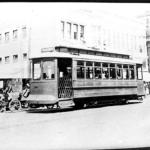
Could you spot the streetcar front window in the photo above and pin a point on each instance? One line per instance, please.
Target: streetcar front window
(48, 70)
(37, 70)
(43, 69)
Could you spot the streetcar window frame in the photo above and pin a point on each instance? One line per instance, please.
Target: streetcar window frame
(131, 72)
(41, 69)
(89, 70)
(139, 72)
(80, 70)
(49, 72)
(119, 71)
(112, 71)
(126, 72)
(106, 71)
(97, 70)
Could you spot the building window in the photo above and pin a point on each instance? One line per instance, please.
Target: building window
(15, 58)
(81, 32)
(69, 30)
(7, 59)
(6, 36)
(62, 28)
(15, 34)
(75, 31)
(24, 32)
(24, 56)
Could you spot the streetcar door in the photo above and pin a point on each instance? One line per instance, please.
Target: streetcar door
(65, 78)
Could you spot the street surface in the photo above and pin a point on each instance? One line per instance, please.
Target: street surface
(118, 126)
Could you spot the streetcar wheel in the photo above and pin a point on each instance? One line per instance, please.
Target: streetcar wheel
(124, 101)
(2, 106)
(140, 99)
(79, 105)
(50, 106)
(14, 105)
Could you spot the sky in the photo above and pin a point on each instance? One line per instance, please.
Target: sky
(130, 10)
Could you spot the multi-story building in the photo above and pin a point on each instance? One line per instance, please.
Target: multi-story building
(146, 21)
(46, 30)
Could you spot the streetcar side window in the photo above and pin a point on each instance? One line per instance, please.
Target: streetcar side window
(119, 72)
(80, 69)
(105, 71)
(89, 70)
(125, 72)
(48, 70)
(139, 72)
(97, 70)
(131, 71)
(37, 70)
(112, 71)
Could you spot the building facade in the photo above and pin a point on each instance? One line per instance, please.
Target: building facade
(45, 30)
(146, 21)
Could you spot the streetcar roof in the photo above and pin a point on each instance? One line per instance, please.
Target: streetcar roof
(86, 57)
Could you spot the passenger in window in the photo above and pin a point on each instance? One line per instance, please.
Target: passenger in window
(112, 73)
(119, 74)
(132, 74)
(98, 73)
(45, 76)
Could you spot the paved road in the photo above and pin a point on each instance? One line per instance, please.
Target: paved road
(103, 127)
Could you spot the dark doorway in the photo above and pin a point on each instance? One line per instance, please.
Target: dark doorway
(65, 78)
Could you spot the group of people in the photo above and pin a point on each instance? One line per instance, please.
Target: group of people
(7, 90)
(147, 88)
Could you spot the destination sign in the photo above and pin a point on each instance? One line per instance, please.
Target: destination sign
(47, 49)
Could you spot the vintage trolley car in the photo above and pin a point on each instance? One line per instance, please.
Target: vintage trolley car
(84, 76)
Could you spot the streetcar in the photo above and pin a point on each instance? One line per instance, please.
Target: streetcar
(83, 77)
